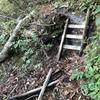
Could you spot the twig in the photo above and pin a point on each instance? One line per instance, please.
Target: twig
(45, 84)
(32, 92)
(38, 24)
(45, 54)
(12, 90)
(3, 16)
(31, 97)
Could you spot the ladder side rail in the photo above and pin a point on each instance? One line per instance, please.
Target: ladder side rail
(85, 30)
(62, 39)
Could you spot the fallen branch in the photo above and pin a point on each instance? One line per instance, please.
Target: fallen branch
(6, 17)
(7, 46)
(32, 92)
(45, 84)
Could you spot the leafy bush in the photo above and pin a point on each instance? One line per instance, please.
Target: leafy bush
(88, 4)
(16, 8)
(8, 25)
(92, 72)
(24, 44)
(93, 5)
(3, 38)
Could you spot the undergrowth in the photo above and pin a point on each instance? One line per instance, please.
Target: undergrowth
(29, 50)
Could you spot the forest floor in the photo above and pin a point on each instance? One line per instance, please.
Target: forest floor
(66, 89)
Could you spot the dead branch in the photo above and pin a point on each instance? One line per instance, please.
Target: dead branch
(45, 84)
(7, 46)
(32, 92)
(62, 40)
(6, 17)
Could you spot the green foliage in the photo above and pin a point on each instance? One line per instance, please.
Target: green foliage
(78, 5)
(88, 4)
(92, 73)
(77, 75)
(92, 5)
(97, 10)
(24, 45)
(6, 7)
(3, 38)
(48, 46)
(22, 6)
(8, 25)
(16, 8)
(30, 51)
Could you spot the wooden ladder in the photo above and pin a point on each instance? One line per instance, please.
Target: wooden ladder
(72, 36)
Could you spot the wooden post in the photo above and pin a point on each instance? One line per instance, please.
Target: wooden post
(85, 31)
(62, 39)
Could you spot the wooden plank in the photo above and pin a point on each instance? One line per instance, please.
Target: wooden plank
(72, 36)
(45, 84)
(62, 39)
(76, 26)
(72, 47)
(85, 31)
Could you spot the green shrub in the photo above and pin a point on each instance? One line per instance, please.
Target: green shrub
(88, 4)
(92, 72)
(92, 62)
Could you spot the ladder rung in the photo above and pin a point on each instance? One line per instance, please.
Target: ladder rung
(73, 47)
(74, 36)
(76, 26)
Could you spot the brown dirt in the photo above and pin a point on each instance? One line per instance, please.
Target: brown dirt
(17, 83)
